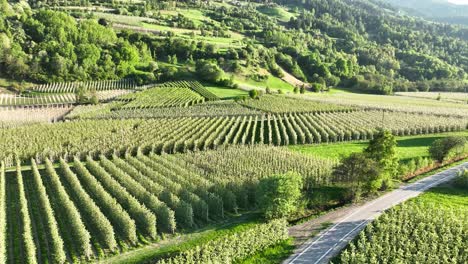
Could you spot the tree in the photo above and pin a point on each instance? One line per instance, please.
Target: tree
(254, 94)
(359, 172)
(462, 179)
(303, 89)
(316, 87)
(278, 195)
(442, 148)
(382, 149)
(208, 71)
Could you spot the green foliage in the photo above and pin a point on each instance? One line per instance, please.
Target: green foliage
(3, 218)
(382, 149)
(66, 208)
(462, 179)
(430, 220)
(27, 232)
(278, 195)
(174, 94)
(57, 248)
(254, 94)
(208, 71)
(108, 204)
(442, 148)
(359, 172)
(56, 55)
(99, 224)
(283, 104)
(145, 220)
(234, 247)
(273, 255)
(167, 135)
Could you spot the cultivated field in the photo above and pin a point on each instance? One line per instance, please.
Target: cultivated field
(98, 207)
(173, 158)
(393, 103)
(171, 135)
(428, 229)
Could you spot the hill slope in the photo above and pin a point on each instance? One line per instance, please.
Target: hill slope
(362, 45)
(438, 10)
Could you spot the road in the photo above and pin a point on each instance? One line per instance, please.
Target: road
(328, 243)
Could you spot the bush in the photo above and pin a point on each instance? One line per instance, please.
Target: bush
(254, 94)
(441, 149)
(316, 87)
(208, 71)
(360, 173)
(462, 179)
(278, 195)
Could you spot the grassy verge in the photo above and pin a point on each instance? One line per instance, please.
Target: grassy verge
(444, 167)
(185, 242)
(408, 147)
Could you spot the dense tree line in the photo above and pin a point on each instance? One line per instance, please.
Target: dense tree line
(51, 46)
(364, 45)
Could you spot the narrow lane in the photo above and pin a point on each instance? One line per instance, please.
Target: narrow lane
(332, 240)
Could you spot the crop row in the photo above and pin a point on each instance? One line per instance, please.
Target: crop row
(71, 87)
(20, 116)
(390, 103)
(8, 100)
(234, 247)
(80, 212)
(195, 86)
(162, 97)
(214, 108)
(171, 135)
(415, 232)
(282, 104)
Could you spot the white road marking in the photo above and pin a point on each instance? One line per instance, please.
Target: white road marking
(426, 184)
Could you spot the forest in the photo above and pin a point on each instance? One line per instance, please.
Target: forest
(361, 45)
(231, 131)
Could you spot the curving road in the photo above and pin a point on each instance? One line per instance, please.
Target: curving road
(328, 243)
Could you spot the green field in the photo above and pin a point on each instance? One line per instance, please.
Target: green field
(274, 83)
(408, 147)
(226, 93)
(279, 12)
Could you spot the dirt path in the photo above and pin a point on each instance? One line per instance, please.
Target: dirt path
(292, 80)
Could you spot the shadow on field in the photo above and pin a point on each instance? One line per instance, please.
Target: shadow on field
(418, 142)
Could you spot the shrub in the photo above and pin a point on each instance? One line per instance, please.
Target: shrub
(254, 94)
(359, 172)
(462, 179)
(442, 148)
(278, 195)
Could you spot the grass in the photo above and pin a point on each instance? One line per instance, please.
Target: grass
(185, 242)
(226, 93)
(273, 254)
(408, 147)
(274, 83)
(278, 12)
(447, 195)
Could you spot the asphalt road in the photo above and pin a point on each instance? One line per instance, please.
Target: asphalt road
(328, 243)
